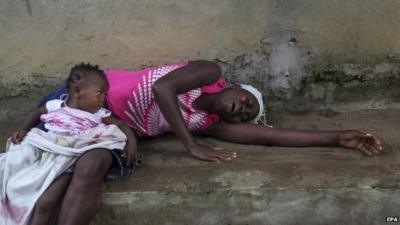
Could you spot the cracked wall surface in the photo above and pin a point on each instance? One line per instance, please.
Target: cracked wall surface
(304, 55)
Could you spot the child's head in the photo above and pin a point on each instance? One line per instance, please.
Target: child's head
(87, 86)
(240, 103)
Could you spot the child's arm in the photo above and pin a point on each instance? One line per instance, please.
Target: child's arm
(166, 90)
(130, 149)
(32, 120)
(247, 133)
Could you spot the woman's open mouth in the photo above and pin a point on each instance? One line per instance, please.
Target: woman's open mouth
(233, 107)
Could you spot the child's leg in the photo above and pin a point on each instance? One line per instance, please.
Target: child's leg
(48, 200)
(82, 199)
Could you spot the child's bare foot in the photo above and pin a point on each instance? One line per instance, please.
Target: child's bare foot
(360, 140)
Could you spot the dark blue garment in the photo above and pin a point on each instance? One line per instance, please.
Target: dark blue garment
(61, 92)
(119, 167)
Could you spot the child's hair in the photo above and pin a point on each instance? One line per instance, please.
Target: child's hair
(81, 71)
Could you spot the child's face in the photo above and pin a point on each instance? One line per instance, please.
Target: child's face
(237, 105)
(93, 94)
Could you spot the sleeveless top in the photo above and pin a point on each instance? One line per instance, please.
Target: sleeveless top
(130, 97)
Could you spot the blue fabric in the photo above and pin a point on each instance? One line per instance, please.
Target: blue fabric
(119, 167)
(59, 93)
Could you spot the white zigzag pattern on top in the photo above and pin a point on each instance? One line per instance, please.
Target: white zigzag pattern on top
(145, 114)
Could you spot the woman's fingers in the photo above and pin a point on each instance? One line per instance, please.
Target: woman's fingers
(130, 157)
(376, 143)
(134, 158)
(210, 158)
(212, 154)
(225, 156)
(219, 155)
(372, 146)
(137, 160)
(373, 143)
(223, 152)
(368, 143)
(368, 150)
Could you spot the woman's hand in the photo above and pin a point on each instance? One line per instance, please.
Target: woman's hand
(130, 152)
(130, 149)
(360, 140)
(18, 136)
(212, 154)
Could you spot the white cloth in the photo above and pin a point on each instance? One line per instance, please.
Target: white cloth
(257, 94)
(27, 169)
(63, 120)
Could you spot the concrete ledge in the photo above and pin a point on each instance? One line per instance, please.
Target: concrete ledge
(255, 206)
(265, 185)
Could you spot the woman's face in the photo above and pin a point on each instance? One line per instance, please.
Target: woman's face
(236, 105)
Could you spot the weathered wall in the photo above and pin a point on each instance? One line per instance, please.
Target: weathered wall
(340, 49)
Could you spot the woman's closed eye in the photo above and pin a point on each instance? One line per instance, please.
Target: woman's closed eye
(250, 104)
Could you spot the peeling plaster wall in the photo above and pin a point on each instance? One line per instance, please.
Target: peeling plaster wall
(50, 36)
(304, 55)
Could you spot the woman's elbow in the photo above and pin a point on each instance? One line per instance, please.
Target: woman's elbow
(208, 67)
(156, 87)
(159, 88)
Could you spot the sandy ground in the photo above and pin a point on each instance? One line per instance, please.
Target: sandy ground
(169, 167)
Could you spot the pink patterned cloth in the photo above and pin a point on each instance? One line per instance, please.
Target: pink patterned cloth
(68, 121)
(130, 97)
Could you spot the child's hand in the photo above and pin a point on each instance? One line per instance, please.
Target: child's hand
(213, 154)
(360, 140)
(18, 135)
(130, 152)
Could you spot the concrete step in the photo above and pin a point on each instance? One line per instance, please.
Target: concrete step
(264, 185)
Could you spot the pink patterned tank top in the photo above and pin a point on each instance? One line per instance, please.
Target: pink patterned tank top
(130, 97)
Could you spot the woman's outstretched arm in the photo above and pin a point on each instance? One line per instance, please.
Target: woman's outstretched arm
(166, 91)
(247, 133)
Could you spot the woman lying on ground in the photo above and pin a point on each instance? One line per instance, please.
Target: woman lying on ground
(189, 98)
